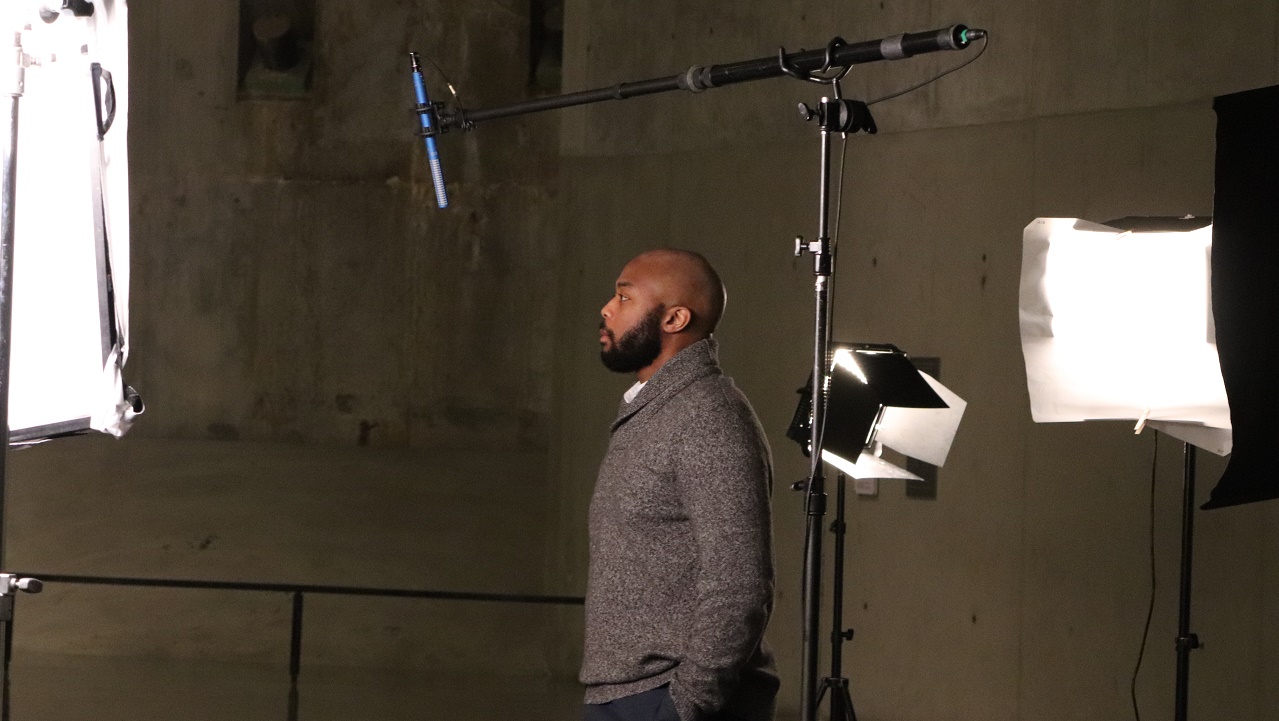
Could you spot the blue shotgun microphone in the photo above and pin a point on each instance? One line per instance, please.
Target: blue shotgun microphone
(426, 112)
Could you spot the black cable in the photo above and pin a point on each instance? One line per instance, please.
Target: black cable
(839, 195)
(457, 99)
(1150, 610)
(985, 42)
(834, 244)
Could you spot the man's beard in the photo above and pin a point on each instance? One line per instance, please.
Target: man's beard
(638, 347)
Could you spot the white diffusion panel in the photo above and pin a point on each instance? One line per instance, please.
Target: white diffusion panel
(66, 357)
(1118, 325)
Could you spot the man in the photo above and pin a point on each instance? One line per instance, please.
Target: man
(681, 570)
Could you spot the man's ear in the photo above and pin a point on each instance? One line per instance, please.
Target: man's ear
(677, 319)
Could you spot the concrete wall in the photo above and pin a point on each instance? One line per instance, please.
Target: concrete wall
(263, 512)
(294, 279)
(345, 385)
(1021, 591)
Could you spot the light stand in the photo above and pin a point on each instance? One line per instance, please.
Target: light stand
(13, 78)
(841, 701)
(833, 116)
(1158, 366)
(814, 492)
(110, 335)
(1186, 640)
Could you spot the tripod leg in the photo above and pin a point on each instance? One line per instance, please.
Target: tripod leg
(849, 713)
(841, 703)
(821, 692)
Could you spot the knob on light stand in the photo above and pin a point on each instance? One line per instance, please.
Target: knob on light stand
(11, 583)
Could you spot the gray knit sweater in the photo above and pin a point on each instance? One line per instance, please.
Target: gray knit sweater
(681, 573)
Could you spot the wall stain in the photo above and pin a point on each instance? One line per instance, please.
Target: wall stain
(224, 432)
(345, 402)
(204, 544)
(366, 429)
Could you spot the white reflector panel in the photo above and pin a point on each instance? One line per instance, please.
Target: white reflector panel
(71, 259)
(1118, 325)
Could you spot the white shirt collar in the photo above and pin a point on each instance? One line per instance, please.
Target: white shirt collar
(634, 390)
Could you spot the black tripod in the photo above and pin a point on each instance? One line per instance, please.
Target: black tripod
(841, 701)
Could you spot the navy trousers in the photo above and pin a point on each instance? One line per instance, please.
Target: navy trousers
(654, 705)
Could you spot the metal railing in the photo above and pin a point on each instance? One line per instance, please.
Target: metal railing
(298, 591)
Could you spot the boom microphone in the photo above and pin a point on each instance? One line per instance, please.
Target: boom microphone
(699, 78)
(426, 112)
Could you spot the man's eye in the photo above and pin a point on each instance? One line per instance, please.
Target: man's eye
(622, 297)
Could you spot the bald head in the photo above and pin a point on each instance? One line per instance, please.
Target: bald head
(665, 301)
(683, 279)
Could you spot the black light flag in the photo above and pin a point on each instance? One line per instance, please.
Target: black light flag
(1245, 290)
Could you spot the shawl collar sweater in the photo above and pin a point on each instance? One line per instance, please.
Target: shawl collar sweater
(680, 586)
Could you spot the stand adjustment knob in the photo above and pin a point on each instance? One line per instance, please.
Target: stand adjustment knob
(801, 246)
(9, 583)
